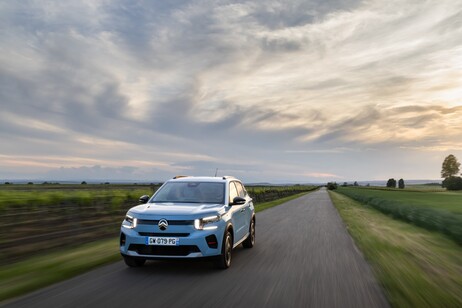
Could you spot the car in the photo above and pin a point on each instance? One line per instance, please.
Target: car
(189, 217)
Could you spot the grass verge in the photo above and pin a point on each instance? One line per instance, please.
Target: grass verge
(416, 267)
(40, 271)
(434, 211)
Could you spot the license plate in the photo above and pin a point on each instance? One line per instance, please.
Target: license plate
(163, 241)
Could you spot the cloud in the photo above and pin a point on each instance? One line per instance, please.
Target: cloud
(394, 126)
(245, 85)
(323, 175)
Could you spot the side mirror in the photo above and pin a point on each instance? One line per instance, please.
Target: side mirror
(238, 201)
(144, 199)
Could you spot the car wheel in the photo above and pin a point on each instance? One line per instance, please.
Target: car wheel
(250, 240)
(224, 260)
(134, 262)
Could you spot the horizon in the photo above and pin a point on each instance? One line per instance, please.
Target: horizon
(293, 91)
(146, 182)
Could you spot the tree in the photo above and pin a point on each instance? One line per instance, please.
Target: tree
(450, 167)
(355, 184)
(391, 183)
(453, 183)
(401, 183)
(83, 183)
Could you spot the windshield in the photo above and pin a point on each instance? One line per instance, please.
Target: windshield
(191, 192)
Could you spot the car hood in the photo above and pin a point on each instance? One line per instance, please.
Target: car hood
(180, 210)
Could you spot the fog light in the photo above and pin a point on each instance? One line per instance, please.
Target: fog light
(212, 241)
(122, 239)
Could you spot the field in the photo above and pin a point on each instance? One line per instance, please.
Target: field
(450, 201)
(432, 210)
(416, 267)
(36, 218)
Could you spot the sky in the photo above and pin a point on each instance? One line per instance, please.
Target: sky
(267, 91)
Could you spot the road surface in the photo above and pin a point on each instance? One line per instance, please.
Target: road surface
(303, 257)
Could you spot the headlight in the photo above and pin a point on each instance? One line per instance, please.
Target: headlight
(202, 223)
(130, 222)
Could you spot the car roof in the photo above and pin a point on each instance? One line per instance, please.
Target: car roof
(184, 178)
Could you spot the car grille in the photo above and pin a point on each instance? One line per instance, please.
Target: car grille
(163, 234)
(170, 222)
(183, 250)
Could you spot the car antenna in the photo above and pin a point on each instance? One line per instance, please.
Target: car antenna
(216, 172)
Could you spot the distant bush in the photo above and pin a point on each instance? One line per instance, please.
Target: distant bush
(453, 183)
(270, 193)
(332, 185)
(431, 184)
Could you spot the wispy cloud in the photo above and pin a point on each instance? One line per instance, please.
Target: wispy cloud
(323, 175)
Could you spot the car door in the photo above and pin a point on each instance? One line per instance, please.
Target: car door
(238, 214)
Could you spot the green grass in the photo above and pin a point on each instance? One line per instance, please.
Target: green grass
(425, 187)
(448, 200)
(28, 275)
(22, 277)
(438, 211)
(416, 267)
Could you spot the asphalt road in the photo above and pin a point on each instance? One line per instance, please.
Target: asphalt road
(303, 257)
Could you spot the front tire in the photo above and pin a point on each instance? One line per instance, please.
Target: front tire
(250, 240)
(224, 260)
(134, 262)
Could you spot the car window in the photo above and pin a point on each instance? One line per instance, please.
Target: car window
(190, 192)
(240, 190)
(232, 192)
(245, 190)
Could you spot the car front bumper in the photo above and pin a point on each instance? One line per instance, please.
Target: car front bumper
(192, 243)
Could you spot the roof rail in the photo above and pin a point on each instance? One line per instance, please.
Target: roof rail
(228, 177)
(180, 176)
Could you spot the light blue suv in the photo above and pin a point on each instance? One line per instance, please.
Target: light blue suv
(189, 217)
